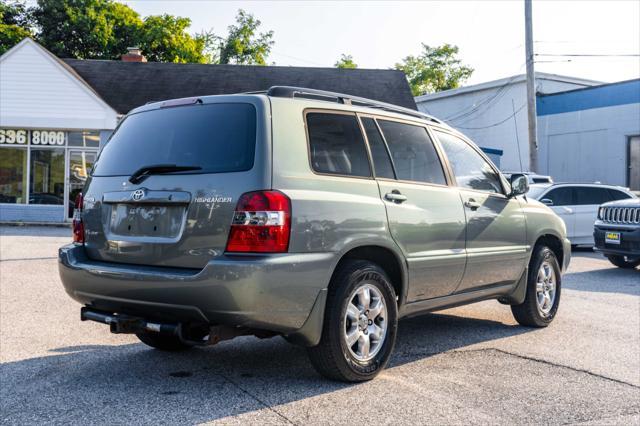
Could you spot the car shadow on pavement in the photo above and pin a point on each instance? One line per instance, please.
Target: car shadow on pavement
(130, 382)
(606, 280)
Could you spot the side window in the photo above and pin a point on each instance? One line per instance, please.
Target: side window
(586, 195)
(560, 196)
(615, 195)
(336, 145)
(471, 170)
(414, 156)
(379, 154)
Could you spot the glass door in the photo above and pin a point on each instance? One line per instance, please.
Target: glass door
(80, 164)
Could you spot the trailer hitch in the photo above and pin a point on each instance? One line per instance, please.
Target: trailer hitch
(211, 334)
(125, 324)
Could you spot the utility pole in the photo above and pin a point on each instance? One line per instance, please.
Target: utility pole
(531, 89)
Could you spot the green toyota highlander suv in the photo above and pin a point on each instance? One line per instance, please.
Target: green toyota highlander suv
(312, 215)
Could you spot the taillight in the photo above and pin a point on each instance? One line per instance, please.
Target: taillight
(261, 223)
(77, 225)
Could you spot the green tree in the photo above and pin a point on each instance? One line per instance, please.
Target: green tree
(243, 45)
(345, 61)
(164, 38)
(16, 22)
(87, 29)
(103, 29)
(435, 69)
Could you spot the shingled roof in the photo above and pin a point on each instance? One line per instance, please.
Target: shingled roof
(126, 85)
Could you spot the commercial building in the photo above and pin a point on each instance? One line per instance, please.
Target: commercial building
(494, 114)
(56, 113)
(592, 134)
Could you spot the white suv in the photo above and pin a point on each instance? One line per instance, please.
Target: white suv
(577, 204)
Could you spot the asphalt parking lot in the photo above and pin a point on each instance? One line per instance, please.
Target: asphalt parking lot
(470, 365)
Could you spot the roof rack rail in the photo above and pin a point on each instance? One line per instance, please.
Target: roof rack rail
(341, 98)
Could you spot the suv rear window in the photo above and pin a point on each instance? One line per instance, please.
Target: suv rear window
(218, 138)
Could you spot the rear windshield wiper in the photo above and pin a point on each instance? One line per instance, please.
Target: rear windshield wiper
(158, 169)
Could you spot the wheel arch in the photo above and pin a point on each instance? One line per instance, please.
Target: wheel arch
(554, 243)
(388, 259)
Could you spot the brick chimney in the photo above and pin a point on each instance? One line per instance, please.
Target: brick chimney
(134, 54)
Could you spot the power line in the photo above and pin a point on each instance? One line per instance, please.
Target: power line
(515, 124)
(591, 55)
(494, 124)
(485, 104)
(298, 59)
(476, 107)
(487, 101)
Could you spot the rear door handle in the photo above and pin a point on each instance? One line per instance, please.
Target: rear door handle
(472, 204)
(395, 196)
(568, 210)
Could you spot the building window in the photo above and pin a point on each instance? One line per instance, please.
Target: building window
(13, 176)
(87, 139)
(46, 183)
(42, 166)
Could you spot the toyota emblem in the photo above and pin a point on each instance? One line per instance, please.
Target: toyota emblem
(138, 194)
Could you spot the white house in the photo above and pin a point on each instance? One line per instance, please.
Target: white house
(51, 123)
(494, 115)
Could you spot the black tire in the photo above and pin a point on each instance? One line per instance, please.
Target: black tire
(528, 313)
(162, 342)
(623, 262)
(332, 357)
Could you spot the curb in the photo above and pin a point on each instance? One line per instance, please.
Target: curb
(47, 224)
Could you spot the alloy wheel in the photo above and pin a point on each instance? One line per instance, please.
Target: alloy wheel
(546, 288)
(365, 322)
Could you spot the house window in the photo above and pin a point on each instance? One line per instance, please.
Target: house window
(86, 139)
(13, 177)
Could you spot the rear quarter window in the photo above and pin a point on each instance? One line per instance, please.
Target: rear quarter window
(587, 195)
(218, 138)
(615, 195)
(336, 145)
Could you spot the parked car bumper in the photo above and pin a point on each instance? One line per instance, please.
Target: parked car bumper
(629, 239)
(276, 292)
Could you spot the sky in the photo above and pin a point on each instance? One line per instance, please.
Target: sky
(490, 34)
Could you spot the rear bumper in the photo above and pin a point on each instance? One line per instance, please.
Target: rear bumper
(629, 239)
(276, 293)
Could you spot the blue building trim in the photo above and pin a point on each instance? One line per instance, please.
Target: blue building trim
(493, 151)
(606, 95)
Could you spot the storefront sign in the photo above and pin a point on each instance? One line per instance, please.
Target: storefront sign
(32, 137)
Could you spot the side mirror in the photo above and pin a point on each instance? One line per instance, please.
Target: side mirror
(519, 184)
(547, 201)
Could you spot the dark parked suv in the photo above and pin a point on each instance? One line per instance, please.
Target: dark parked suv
(310, 215)
(617, 232)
